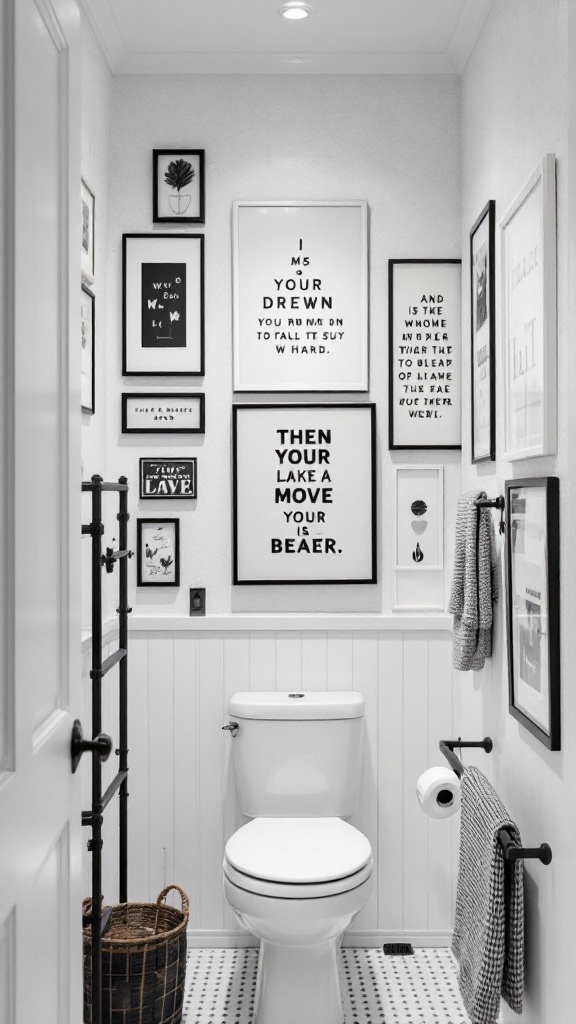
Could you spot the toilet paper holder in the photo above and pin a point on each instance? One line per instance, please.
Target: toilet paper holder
(511, 851)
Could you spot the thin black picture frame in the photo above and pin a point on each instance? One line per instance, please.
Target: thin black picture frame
(550, 739)
(200, 219)
(167, 497)
(391, 404)
(157, 519)
(159, 372)
(304, 405)
(166, 396)
(489, 211)
(89, 273)
(91, 295)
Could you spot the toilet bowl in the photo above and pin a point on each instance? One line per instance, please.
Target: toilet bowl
(297, 883)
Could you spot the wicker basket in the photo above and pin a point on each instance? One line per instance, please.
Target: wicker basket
(143, 963)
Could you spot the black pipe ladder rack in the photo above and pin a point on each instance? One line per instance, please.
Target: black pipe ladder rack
(511, 851)
(101, 745)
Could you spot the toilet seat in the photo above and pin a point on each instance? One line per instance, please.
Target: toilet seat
(297, 858)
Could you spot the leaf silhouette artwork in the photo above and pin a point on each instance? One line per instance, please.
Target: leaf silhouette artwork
(179, 173)
(418, 554)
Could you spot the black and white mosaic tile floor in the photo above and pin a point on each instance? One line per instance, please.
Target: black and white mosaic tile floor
(376, 989)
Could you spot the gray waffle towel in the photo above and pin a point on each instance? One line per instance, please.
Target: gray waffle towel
(474, 584)
(489, 927)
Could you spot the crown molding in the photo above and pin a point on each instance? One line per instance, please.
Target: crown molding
(466, 33)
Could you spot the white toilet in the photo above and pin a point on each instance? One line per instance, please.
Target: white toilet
(297, 874)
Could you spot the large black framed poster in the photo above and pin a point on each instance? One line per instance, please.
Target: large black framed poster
(163, 305)
(304, 493)
(425, 343)
(300, 296)
(483, 334)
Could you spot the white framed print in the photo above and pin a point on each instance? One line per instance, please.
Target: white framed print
(88, 216)
(163, 305)
(424, 354)
(529, 317)
(300, 302)
(419, 538)
(304, 494)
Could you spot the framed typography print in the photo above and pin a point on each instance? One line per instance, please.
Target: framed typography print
(163, 305)
(162, 413)
(533, 612)
(529, 317)
(483, 334)
(424, 353)
(300, 296)
(87, 250)
(158, 553)
(419, 538)
(87, 356)
(304, 494)
(168, 478)
(178, 186)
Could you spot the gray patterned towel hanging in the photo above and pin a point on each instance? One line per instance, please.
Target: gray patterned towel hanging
(489, 927)
(474, 584)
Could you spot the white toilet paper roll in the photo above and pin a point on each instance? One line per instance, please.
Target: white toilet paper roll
(438, 791)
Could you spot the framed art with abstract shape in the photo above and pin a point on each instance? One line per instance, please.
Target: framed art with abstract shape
(529, 317)
(178, 186)
(304, 494)
(483, 334)
(163, 305)
(158, 552)
(533, 605)
(425, 341)
(88, 350)
(168, 478)
(419, 538)
(162, 413)
(300, 303)
(88, 217)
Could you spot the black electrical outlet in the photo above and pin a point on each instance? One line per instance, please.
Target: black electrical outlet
(197, 600)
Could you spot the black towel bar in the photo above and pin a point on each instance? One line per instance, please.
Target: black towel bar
(511, 851)
(499, 503)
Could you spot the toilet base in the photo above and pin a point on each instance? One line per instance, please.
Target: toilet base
(298, 984)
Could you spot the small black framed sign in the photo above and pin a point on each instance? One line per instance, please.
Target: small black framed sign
(163, 305)
(483, 334)
(304, 494)
(162, 413)
(533, 605)
(168, 478)
(425, 342)
(158, 552)
(178, 186)
(88, 350)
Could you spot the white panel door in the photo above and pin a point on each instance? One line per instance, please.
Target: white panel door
(40, 876)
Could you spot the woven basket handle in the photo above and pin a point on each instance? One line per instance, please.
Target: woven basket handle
(185, 901)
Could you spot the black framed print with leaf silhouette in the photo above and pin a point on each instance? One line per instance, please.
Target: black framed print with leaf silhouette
(158, 552)
(163, 305)
(178, 189)
(419, 538)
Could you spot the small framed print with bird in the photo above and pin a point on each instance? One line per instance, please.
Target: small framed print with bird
(178, 190)
(158, 553)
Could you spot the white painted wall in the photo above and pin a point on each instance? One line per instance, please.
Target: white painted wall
(515, 93)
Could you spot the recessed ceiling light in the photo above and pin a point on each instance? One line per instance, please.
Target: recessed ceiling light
(298, 60)
(295, 11)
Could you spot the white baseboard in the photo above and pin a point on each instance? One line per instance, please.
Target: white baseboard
(364, 940)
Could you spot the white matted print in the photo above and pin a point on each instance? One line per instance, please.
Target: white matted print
(300, 296)
(419, 517)
(529, 317)
(425, 343)
(304, 493)
(88, 215)
(158, 553)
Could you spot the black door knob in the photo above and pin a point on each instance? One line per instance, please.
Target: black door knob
(100, 745)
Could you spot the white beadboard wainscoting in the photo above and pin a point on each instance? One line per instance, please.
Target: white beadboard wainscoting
(182, 805)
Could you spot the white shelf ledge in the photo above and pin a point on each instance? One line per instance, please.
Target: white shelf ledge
(295, 622)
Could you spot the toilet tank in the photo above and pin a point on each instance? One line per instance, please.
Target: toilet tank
(297, 755)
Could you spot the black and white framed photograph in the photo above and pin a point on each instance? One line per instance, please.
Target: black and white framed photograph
(88, 350)
(158, 552)
(425, 351)
(88, 214)
(419, 538)
(168, 478)
(163, 305)
(162, 413)
(300, 297)
(483, 334)
(529, 326)
(178, 186)
(533, 605)
(304, 494)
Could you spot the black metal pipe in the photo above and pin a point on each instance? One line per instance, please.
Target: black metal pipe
(95, 844)
(123, 611)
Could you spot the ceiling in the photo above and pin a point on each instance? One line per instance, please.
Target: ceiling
(249, 36)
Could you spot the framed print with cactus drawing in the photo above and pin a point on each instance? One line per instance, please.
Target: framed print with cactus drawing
(158, 553)
(163, 305)
(178, 191)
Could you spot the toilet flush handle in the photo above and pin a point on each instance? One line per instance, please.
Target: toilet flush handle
(232, 728)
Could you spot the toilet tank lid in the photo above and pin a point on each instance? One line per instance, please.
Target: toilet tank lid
(297, 705)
